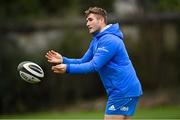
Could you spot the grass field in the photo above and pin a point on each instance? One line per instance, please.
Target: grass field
(172, 112)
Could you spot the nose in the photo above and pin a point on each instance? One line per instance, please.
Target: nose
(87, 24)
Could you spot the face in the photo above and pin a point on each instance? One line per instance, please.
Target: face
(93, 23)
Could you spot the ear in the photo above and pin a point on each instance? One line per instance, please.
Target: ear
(101, 19)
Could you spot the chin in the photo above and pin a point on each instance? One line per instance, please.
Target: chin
(92, 32)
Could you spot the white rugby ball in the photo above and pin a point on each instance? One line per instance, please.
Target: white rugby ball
(30, 72)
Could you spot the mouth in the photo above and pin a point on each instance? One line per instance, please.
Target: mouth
(89, 28)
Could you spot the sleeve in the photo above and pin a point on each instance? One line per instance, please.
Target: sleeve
(106, 49)
(86, 57)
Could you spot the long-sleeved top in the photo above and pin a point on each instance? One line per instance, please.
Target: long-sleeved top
(108, 56)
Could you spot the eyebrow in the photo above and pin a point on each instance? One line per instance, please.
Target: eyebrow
(88, 18)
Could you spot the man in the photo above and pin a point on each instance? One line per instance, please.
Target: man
(106, 55)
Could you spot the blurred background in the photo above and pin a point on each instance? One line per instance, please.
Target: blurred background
(29, 28)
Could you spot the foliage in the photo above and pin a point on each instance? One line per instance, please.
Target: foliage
(28, 9)
(168, 5)
(160, 5)
(156, 66)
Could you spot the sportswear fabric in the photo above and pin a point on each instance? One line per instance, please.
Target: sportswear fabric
(122, 106)
(108, 56)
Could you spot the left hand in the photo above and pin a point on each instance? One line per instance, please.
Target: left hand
(54, 57)
(60, 68)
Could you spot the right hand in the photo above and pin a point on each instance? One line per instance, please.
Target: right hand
(54, 57)
(60, 68)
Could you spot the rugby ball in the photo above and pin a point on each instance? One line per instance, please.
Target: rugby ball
(30, 72)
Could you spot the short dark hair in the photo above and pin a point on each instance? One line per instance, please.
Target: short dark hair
(97, 10)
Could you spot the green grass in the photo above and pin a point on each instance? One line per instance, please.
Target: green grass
(172, 112)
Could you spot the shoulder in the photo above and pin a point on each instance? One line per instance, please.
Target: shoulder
(110, 38)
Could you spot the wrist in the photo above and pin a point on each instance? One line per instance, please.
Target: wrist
(60, 60)
(67, 68)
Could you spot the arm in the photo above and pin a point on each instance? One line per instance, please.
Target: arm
(87, 57)
(107, 47)
(54, 57)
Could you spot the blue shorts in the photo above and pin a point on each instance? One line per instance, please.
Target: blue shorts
(122, 106)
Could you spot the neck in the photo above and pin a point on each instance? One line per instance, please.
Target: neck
(106, 27)
(102, 26)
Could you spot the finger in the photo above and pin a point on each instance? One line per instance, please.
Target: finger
(49, 60)
(47, 56)
(55, 68)
(58, 67)
(53, 52)
(50, 55)
(56, 71)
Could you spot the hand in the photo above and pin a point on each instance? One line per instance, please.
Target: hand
(61, 68)
(54, 57)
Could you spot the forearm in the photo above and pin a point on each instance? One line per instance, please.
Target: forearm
(83, 68)
(71, 61)
(86, 58)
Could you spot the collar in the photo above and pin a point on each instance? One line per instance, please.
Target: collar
(106, 27)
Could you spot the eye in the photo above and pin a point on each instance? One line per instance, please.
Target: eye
(89, 19)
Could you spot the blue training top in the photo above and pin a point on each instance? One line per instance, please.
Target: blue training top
(107, 55)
